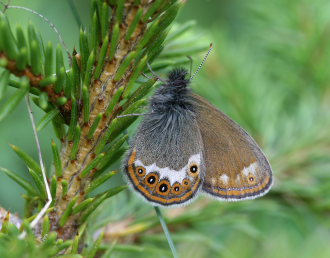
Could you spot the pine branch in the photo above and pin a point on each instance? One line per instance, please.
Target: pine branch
(84, 103)
(106, 84)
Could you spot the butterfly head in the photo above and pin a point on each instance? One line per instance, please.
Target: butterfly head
(178, 78)
(173, 93)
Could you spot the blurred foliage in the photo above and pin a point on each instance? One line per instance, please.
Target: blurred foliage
(269, 72)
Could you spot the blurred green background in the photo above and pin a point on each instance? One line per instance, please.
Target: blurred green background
(270, 72)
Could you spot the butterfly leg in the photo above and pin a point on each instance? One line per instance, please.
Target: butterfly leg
(133, 114)
(191, 65)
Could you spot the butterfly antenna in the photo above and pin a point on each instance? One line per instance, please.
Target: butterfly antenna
(42, 166)
(202, 63)
(191, 65)
(52, 25)
(156, 75)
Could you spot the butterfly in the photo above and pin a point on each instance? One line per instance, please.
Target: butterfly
(185, 146)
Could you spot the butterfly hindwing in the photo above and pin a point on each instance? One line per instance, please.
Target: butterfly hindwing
(165, 164)
(236, 168)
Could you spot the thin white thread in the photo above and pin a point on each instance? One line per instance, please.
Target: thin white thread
(52, 25)
(204, 59)
(49, 196)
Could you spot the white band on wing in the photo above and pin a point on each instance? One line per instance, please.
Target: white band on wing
(172, 175)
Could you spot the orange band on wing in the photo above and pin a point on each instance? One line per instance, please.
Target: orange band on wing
(243, 192)
(145, 192)
(132, 158)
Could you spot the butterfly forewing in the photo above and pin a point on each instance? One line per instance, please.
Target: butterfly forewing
(236, 168)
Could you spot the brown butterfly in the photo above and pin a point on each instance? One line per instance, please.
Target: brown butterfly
(185, 145)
